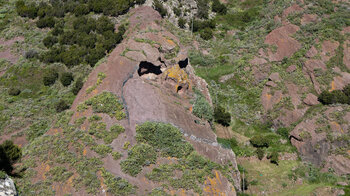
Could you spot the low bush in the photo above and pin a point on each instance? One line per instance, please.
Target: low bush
(66, 78)
(221, 116)
(50, 77)
(260, 153)
(202, 108)
(138, 156)
(77, 86)
(108, 103)
(49, 41)
(14, 91)
(158, 6)
(163, 137)
(30, 54)
(336, 96)
(182, 23)
(284, 132)
(218, 7)
(61, 106)
(206, 34)
(260, 141)
(47, 21)
(274, 157)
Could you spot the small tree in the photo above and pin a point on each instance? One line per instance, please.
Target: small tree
(182, 22)
(206, 34)
(219, 7)
(50, 77)
(260, 153)
(221, 116)
(66, 78)
(9, 155)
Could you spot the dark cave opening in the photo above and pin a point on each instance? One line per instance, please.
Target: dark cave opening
(183, 64)
(147, 67)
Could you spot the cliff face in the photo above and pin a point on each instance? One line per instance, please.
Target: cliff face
(151, 74)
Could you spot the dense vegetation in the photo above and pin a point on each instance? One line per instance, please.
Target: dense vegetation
(83, 39)
(336, 96)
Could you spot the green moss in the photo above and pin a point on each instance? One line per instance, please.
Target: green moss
(116, 155)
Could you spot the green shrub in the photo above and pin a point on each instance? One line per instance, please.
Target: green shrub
(29, 11)
(14, 91)
(182, 23)
(66, 78)
(346, 90)
(117, 186)
(47, 21)
(163, 137)
(3, 174)
(116, 155)
(177, 11)
(260, 153)
(158, 6)
(49, 41)
(336, 96)
(201, 108)
(206, 34)
(221, 116)
(9, 155)
(50, 77)
(260, 141)
(203, 9)
(219, 7)
(77, 86)
(138, 156)
(284, 132)
(108, 103)
(274, 157)
(102, 150)
(30, 54)
(61, 106)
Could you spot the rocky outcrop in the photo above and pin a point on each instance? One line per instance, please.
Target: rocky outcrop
(322, 139)
(155, 82)
(285, 45)
(7, 187)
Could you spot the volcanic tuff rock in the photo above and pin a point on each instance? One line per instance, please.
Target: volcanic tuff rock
(151, 73)
(322, 139)
(7, 187)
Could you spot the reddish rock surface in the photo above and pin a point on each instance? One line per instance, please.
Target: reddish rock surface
(154, 99)
(328, 50)
(312, 139)
(308, 18)
(311, 100)
(281, 38)
(291, 69)
(292, 9)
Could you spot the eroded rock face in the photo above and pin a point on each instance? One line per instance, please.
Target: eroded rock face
(281, 38)
(7, 187)
(322, 139)
(156, 87)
